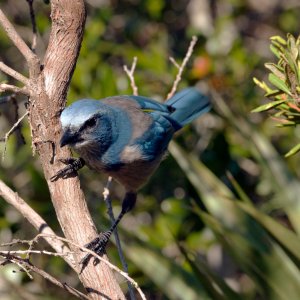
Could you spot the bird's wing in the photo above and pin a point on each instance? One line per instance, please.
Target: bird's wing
(143, 103)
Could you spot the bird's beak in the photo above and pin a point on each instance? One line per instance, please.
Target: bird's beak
(67, 138)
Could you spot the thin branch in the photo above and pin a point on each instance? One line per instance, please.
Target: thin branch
(113, 267)
(182, 66)
(12, 88)
(7, 135)
(174, 62)
(11, 72)
(30, 57)
(33, 23)
(107, 200)
(65, 253)
(130, 74)
(23, 268)
(36, 220)
(25, 265)
(30, 251)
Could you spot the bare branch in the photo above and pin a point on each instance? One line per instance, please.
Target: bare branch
(33, 23)
(12, 88)
(31, 58)
(174, 62)
(107, 200)
(20, 252)
(102, 259)
(11, 72)
(182, 66)
(130, 74)
(26, 265)
(7, 135)
(36, 220)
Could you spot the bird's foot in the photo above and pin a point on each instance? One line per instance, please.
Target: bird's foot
(72, 166)
(97, 245)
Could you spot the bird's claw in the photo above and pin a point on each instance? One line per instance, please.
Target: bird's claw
(73, 165)
(97, 245)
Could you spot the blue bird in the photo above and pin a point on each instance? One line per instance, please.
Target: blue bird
(125, 137)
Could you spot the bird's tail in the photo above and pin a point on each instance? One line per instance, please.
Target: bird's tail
(189, 104)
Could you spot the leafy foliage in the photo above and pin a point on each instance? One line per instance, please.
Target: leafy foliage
(285, 78)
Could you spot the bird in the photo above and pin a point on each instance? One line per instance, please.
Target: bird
(125, 137)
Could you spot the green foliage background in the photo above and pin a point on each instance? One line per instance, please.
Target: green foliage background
(220, 219)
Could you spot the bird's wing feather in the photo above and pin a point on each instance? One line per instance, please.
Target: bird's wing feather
(143, 103)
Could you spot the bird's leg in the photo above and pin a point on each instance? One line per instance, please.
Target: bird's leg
(98, 244)
(73, 165)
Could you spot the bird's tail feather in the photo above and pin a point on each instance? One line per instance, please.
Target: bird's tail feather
(189, 104)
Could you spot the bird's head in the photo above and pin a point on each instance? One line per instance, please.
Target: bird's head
(85, 123)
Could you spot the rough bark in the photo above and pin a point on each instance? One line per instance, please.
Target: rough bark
(48, 96)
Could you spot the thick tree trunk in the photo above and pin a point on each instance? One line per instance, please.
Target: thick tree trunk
(48, 99)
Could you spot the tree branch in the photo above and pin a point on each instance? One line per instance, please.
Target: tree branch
(31, 58)
(33, 23)
(182, 66)
(7, 135)
(11, 88)
(34, 219)
(11, 72)
(130, 74)
(25, 265)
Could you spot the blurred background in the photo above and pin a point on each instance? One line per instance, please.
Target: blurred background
(220, 219)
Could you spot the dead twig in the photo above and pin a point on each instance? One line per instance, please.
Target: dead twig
(13, 73)
(25, 265)
(33, 23)
(11, 88)
(130, 74)
(37, 221)
(7, 135)
(110, 265)
(182, 66)
(31, 58)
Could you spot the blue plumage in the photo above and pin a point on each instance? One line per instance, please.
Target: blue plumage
(126, 137)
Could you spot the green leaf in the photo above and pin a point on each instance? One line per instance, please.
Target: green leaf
(175, 282)
(273, 93)
(275, 51)
(278, 39)
(293, 151)
(262, 85)
(292, 46)
(283, 235)
(267, 106)
(215, 285)
(276, 70)
(280, 84)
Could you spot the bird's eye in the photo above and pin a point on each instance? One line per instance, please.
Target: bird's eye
(90, 123)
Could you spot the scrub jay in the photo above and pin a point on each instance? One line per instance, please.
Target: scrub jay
(125, 137)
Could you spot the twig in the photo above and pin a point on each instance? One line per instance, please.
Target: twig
(107, 200)
(11, 88)
(13, 73)
(182, 66)
(174, 62)
(35, 219)
(30, 251)
(22, 267)
(7, 135)
(65, 253)
(113, 267)
(25, 265)
(33, 22)
(130, 74)
(31, 58)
